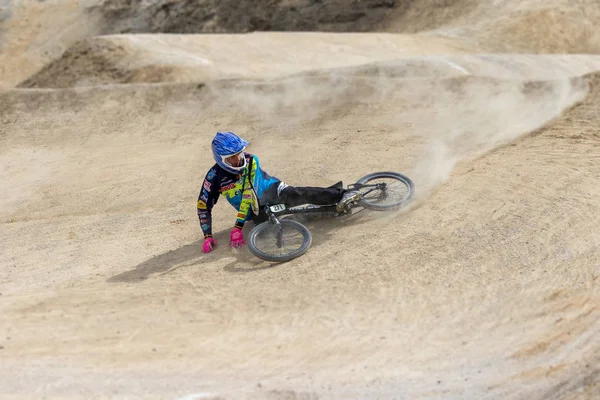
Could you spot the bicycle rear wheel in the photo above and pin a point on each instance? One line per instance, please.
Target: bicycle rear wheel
(279, 242)
(398, 190)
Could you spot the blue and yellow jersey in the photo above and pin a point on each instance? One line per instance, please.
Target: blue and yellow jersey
(235, 188)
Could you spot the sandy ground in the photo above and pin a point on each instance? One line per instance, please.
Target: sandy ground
(486, 287)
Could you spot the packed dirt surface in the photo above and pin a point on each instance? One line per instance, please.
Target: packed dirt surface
(485, 287)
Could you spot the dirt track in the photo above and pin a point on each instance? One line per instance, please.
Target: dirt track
(485, 288)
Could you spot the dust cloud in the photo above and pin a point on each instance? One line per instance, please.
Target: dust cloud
(455, 119)
(483, 116)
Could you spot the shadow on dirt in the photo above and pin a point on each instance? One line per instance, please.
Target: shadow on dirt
(188, 255)
(322, 230)
(191, 254)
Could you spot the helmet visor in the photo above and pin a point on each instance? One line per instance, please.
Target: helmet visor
(236, 160)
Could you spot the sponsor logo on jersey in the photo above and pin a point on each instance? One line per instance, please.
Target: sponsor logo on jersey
(227, 187)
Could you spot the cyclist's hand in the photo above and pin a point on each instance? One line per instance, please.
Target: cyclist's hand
(209, 244)
(237, 238)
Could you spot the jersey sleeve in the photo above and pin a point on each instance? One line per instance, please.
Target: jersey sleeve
(207, 198)
(247, 196)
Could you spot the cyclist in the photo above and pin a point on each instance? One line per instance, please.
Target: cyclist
(238, 177)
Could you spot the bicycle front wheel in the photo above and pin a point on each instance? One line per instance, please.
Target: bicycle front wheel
(279, 242)
(397, 190)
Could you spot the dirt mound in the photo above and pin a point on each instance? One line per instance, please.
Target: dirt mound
(240, 16)
(538, 26)
(201, 58)
(35, 33)
(89, 62)
(567, 29)
(198, 59)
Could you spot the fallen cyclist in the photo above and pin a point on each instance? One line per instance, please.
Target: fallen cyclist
(238, 177)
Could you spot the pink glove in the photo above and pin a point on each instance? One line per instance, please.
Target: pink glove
(209, 244)
(237, 238)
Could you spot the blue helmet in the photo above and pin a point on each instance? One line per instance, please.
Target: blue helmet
(227, 144)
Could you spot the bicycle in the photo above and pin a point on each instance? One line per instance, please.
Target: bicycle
(272, 224)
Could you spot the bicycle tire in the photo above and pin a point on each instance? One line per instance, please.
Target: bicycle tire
(306, 241)
(387, 174)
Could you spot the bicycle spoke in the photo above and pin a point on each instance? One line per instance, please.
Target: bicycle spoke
(392, 192)
(279, 241)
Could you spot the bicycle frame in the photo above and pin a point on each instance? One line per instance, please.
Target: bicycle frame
(273, 228)
(277, 210)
